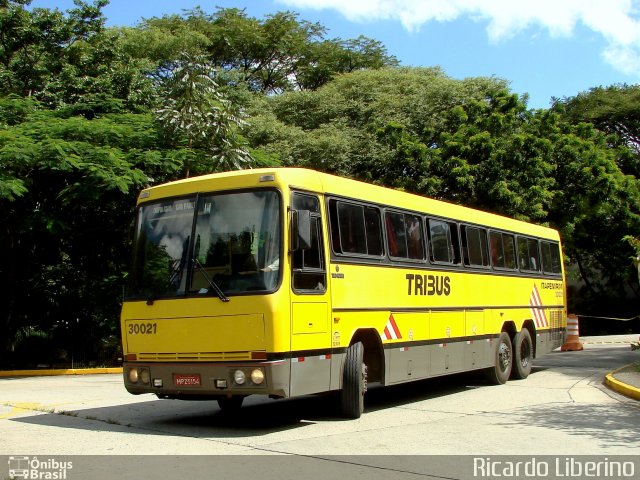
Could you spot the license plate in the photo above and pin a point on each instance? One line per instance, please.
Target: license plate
(191, 380)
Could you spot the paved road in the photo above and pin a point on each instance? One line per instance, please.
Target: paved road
(561, 409)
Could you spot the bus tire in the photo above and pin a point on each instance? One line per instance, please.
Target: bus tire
(230, 404)
(522, 355)
(502, 361)
(354, 382)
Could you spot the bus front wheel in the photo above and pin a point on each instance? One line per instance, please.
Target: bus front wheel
(523, 355)
(354, 382)
(503, 361)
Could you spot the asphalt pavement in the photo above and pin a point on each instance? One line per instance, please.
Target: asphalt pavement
(626, 379)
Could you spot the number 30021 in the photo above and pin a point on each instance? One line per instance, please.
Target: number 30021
(143, 328)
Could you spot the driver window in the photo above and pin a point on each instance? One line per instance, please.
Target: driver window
(309, 272)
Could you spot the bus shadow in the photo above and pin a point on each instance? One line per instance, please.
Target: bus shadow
(380, 398)
(258, 417)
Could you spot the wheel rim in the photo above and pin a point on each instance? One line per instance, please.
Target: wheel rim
(504, 357)
(525, 353)
(364, 379)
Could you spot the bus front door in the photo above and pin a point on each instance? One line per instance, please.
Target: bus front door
(310, 325)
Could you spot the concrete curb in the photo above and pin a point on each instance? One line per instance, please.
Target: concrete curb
(620, 387)
(61, 371)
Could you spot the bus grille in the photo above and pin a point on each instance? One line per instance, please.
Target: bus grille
(557, 332)
(194, 357)
(556, 318)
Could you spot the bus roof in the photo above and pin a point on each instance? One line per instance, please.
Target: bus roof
(314, 181)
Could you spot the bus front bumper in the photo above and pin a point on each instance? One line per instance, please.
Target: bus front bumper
(208, 380)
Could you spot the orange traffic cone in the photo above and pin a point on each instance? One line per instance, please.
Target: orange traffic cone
(572, 343)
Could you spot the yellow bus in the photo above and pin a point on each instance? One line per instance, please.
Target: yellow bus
(287, 282)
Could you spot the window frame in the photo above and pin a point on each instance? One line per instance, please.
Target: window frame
(133, 291)
(465, 244)
(333, 207)
(557, 250)
(316, 223)
(453, 242)
(537, 251)
(423, 239)
(502, 244)
(456, 239)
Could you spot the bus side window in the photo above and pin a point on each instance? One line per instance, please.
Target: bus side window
(508, 242)
(355, 229)
(415, 245)
(404, 235)
(333, 226)
(352, 233)
(503, 250)
(396, 235)
(474, 244)
(373, 228)
(523, 253)
(528, 255)
(551, 258)
(308, 265)
(534, 255)
(444, 243)
(495, 245)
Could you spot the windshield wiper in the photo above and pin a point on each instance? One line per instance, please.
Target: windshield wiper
(210, 281)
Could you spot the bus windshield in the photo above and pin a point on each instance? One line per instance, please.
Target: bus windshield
(232, 247)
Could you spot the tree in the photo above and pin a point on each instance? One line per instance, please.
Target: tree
(418, 130)
(35, 45)
(272, 55)
(66, 217)
(472, 142)
(266, 53)
(323, 61)
(614, 110)
(197, 112)
(609, 117)
(635, 243)
(78, 140)
(62, 59)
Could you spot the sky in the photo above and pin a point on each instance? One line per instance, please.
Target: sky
(544, 48)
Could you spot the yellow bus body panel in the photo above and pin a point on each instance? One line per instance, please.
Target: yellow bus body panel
(207, 326)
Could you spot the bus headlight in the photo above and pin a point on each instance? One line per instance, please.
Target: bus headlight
(257, 376)
(133, 375)
(239, 377)
(145, 377)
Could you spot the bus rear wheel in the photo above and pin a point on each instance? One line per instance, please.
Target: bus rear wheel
(354, 382)
(503, 361)
(523, 355)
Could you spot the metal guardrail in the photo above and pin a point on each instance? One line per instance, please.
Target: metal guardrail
(609, 318)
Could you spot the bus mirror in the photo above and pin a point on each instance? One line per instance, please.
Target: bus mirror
(301, 226)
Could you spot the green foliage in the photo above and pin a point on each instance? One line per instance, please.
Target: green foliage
(197, 112)
(66, 215)
(614, 110)
(90, 115)
(272, 55)
(471, 142)
(418, 130)
(635, 244)
(66, 58)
